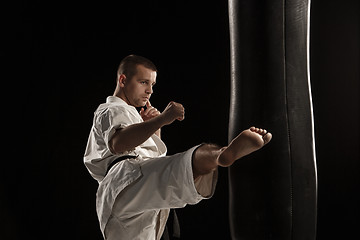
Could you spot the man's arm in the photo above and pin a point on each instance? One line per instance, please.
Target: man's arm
(128, 138)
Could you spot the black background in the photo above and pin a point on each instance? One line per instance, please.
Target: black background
(62, 58)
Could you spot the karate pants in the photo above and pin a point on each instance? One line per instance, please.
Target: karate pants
(140, 210)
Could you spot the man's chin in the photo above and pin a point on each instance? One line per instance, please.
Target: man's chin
(140, 104)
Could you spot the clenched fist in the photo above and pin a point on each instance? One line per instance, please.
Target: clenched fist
(173, 111)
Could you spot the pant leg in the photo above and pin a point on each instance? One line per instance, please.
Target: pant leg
(166, 182)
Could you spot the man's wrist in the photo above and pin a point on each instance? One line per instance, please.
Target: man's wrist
(161, 120)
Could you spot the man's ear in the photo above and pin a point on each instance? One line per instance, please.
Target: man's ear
(122, 80)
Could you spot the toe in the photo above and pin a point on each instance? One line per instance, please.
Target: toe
(267, 137)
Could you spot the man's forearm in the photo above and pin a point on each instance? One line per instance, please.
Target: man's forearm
(132, 136)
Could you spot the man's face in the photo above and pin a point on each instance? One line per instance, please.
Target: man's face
(139, 88)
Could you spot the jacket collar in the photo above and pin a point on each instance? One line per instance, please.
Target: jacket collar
(114, 99)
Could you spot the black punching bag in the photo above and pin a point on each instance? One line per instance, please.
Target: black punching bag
(273, 192)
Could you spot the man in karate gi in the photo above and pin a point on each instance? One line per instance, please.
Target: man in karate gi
(138, 184)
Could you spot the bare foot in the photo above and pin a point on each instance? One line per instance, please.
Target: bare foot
(245, 143)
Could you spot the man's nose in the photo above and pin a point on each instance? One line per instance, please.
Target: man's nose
(149, 90)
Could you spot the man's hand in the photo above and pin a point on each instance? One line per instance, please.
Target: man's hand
(149, 113)
(173, 111)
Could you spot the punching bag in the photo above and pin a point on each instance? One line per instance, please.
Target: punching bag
(273, 192)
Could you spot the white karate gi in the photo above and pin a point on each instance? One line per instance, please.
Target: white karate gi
(134, 198)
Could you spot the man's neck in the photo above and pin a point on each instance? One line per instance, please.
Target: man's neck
(122, 96)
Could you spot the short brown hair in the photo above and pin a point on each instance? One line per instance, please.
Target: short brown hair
(128, 65)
